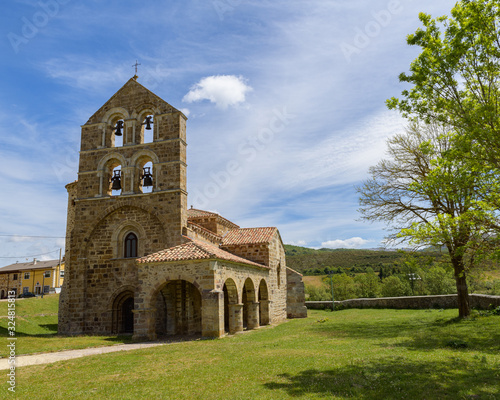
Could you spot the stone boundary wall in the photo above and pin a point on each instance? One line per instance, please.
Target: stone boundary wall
(479, 301)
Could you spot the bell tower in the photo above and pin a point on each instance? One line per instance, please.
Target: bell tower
(130, 200)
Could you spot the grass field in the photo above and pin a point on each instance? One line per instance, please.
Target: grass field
(314, 280)
(351, 354)
(36, 328)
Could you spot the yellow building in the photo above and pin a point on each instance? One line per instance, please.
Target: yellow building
(32, 277)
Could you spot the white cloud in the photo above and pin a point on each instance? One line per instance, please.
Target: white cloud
(301, 243)
(18, 238)
(223, 90)
(351, 243)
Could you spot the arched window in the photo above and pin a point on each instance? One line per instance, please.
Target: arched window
(130, 246)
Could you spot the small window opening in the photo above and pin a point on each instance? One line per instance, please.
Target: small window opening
(278, 278)
(130, 246)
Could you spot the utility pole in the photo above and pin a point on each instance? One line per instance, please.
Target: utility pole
(58, 270)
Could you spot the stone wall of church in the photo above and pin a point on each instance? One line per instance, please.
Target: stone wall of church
(277, 279)
(94, 261)
(296, 295)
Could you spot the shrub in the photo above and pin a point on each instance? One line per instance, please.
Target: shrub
(393, 287)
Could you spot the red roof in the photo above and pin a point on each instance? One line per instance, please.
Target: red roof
(248, 236)
(195, 250)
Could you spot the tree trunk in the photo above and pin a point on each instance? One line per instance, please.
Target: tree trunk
(462, 289)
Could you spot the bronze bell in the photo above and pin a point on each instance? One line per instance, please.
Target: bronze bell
(119, 127)
(116, 181)
(147, 178)
(148, 122)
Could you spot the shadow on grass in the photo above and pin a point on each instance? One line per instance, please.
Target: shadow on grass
(396, 378)
(18, 333)
(420, 333)
(50, 327)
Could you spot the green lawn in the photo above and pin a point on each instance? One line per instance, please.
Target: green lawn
(36, 328)
(350, 354)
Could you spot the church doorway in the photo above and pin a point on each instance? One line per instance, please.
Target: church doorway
(123, 315)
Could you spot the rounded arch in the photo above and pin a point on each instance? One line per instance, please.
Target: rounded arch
(263, 297)
(121, 232)
(111, 158)
(177, 305)
(144, 110)
(248, 299)
(114, 114)
(162, 282)
(122, 307)
(160, 219)
(249, 290)
(143, 156)
(155, 222)
(105, 170)
(232, 291)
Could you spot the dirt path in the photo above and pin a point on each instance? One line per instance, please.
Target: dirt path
(47, 358)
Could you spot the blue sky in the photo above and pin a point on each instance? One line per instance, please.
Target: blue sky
(285, 99)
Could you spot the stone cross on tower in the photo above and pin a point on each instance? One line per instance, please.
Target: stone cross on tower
(136, 65)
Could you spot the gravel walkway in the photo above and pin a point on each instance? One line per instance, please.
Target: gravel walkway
(47, 358)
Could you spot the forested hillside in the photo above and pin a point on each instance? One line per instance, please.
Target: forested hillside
(310, 261)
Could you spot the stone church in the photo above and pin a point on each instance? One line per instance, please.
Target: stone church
(138, 260)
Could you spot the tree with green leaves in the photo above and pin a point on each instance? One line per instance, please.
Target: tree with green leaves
(428, 198)
(456, 76)
(456, 82)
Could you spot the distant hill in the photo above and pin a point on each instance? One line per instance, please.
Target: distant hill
(306, 260)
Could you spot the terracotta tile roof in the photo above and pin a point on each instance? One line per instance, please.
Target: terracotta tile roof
(195, 250)
(248, 236)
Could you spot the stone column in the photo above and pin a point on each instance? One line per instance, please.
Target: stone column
(235, 318)
(264, 312)
(212, 313)
(144, 324)
(253, 315)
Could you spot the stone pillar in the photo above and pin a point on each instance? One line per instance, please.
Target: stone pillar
(253, 315)
(144, 324)
(212, 313)
(235, 318)
(264, 312)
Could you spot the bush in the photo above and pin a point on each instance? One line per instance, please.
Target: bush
(439, 281)
(393, 287)
(314, 293)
